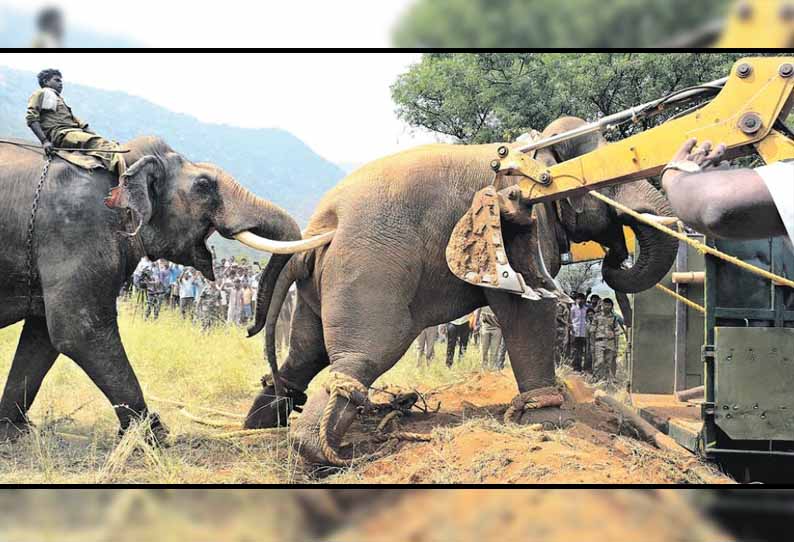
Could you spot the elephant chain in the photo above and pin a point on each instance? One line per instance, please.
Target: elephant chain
(32, 227)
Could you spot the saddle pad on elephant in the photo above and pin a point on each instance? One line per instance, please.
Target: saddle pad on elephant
(81, 159)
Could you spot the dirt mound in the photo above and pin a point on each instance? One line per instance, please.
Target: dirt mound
(471, 444)
(551, 515)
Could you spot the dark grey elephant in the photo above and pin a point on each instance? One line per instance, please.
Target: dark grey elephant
(80, 258)
(383, 278)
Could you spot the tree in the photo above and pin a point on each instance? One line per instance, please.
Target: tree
(485, 97)
(552, 23)
(579, 277)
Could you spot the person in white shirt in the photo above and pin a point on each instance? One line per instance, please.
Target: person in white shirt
(578, 331)
(737, 203)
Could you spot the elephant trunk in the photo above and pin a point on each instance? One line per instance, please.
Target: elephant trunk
(242, 212)
(657, 251)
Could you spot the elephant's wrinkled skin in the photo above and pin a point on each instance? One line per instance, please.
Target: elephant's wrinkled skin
(81, 259)
(365, 297)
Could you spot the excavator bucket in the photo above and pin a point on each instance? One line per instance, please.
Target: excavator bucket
(476, 252)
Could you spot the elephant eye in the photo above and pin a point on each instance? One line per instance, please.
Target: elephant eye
(203, 183)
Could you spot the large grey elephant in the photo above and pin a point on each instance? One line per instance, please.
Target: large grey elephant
(383, 278)
(80, 257)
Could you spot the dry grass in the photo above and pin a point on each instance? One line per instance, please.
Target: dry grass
(75, 439)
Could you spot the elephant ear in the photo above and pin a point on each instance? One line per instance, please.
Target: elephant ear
(137, 186)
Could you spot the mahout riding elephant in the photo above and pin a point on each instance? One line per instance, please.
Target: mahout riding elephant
(363, 298)
(65, 286)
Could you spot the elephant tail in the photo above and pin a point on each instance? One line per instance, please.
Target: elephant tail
(280, 292)
(267, 283)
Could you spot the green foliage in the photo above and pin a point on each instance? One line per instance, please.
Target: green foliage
(483, 97)
(552, 23)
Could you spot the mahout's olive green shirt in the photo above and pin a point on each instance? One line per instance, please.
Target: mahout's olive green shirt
(56, 118)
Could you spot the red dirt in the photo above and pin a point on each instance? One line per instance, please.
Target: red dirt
(551, 515)
(471, 445)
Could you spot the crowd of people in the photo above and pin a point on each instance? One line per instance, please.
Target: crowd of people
(587, 334)
(480, 327)
(229, 299)
(587, 338)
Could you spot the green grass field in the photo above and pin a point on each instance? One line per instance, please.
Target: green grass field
(75, 439)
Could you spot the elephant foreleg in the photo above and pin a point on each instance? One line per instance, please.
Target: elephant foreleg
(97, 350)
(528, 328)
(361, 349)
(34, 357)
(306, 358)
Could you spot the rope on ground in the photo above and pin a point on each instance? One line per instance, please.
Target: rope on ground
(338, 385)
(682, 299)
(529, 400)
(249, 432)
(391, 418)
(700, 247)
(204, 421)
(206, 409)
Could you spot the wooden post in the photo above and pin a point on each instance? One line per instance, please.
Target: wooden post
(679, 379)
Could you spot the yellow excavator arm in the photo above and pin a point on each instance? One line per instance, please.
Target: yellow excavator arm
(745, 113)
(742, 116)
(756, 94)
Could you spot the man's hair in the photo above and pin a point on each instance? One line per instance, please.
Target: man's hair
(596, 296)
(48, 17)
(578, 295)
(46, 75)
(607, 300)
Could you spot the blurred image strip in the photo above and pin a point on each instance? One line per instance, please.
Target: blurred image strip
(373, 515)
(414, 24)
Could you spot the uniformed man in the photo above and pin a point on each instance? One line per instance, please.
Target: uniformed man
(55, 125)
(563, 333)
(425, 345)
(490, 340)
(457, 334)
(208, 306)
(588, 355)
(155, 291)
(606, 331)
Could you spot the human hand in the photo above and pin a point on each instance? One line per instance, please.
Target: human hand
(704, 156)
(48, 148)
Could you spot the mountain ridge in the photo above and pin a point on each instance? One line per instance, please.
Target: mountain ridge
(270, 162)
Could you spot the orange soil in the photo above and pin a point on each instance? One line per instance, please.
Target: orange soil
(551, 515)
(471, 445)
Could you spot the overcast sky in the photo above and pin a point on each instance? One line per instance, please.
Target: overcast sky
(338, 104)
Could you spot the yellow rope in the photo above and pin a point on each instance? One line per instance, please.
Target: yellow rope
(204, 421)
(338, 385)
(249, 432)
(185, 405)
(682, 299)
(700, 247)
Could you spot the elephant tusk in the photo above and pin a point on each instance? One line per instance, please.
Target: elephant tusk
(283, 247)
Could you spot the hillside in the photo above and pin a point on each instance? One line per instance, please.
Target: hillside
(272, 163)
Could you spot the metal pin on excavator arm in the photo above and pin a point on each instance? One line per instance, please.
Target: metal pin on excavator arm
(742, 115)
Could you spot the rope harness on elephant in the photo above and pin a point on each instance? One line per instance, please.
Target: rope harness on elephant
(32, 273)
(530, 400)
(341, 385)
